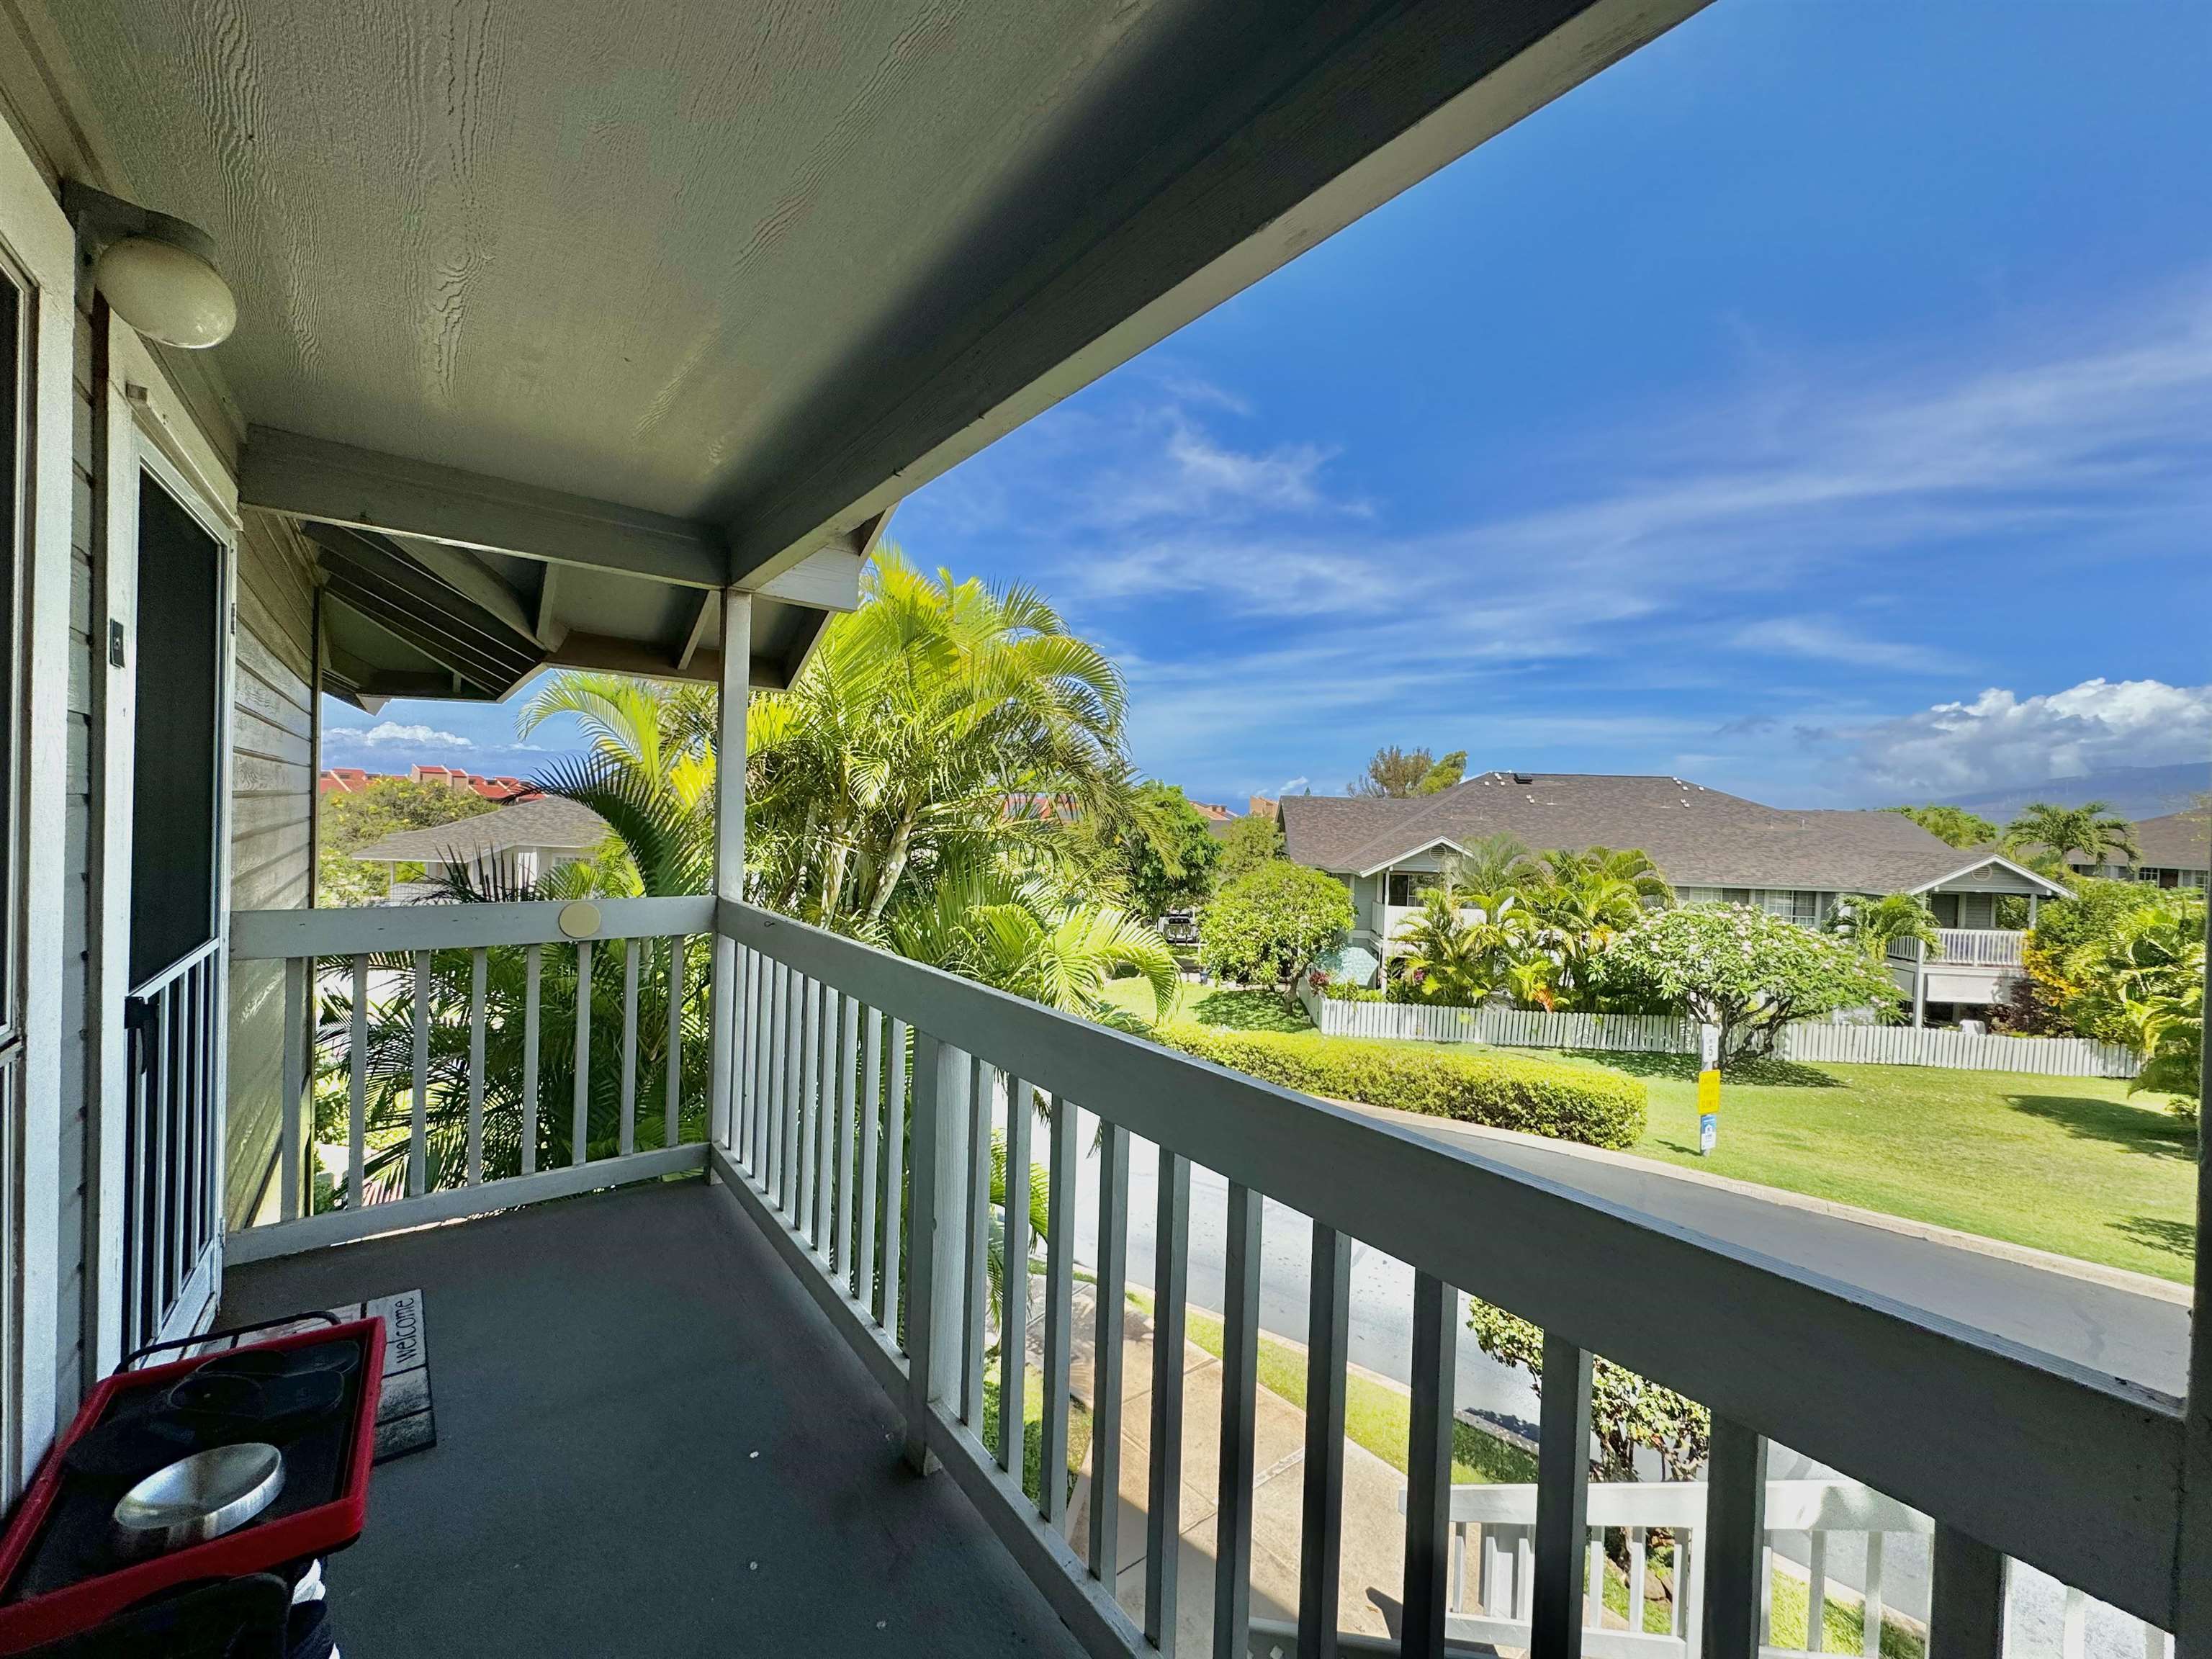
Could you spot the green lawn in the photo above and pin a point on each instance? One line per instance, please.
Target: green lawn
(2072, 1165)
(2067, 1164)
(1210, 1005)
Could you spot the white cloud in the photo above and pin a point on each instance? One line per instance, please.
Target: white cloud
(390, 734)
(2001, 738)
(1818, 639)
(1292, 786)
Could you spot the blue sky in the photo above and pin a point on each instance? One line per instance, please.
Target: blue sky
(1817, 404)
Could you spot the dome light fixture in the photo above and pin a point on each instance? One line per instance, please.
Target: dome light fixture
(158, 272)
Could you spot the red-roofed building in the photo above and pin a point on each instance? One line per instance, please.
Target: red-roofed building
(351, 779)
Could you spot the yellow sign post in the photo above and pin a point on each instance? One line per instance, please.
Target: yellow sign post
(1708, 1088)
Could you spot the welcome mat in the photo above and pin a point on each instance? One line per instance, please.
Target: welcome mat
(405, 1421)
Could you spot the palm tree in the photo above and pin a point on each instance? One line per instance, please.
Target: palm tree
(2093, 830)
(1461, 946)
(920, 720)
(1491, 864)
(1583, 901)
(1879, 923)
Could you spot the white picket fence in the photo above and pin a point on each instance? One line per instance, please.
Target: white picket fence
(1901, 1045)
(1662, 1034)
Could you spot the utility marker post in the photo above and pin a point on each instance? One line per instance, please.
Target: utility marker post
(1708, 1088)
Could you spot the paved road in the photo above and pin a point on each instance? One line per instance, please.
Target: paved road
(2136, 1329)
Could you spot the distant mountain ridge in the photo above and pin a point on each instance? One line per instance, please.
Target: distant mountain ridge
(2133, 791)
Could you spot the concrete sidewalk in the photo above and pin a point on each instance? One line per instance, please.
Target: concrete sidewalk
(1373, 1563)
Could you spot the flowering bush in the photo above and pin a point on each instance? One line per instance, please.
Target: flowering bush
(1746, 971)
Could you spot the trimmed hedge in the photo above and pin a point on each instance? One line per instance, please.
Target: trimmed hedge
(1500, 1092)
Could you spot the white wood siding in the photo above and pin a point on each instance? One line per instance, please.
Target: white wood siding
(272, 821)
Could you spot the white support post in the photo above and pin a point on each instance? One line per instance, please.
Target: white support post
(729, 846)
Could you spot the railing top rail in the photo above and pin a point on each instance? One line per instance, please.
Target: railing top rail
(1791, 1506)
(276, 935)
(176, 970)
(2074, 1471)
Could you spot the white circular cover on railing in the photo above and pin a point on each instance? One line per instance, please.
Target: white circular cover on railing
(580, 920)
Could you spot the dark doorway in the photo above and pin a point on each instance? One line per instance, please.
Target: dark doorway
(175, 813)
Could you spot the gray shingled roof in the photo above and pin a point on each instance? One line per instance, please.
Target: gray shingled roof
(548, 821)
(1700, 837)
(2179, 841)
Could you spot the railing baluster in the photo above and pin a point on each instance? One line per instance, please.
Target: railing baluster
(1816, 1591)
(1240, 1366)
(1062, 1159)
(294, 1089)
(894, 1175)
(1319, 1549)
(479, 968)
(627, 1142)
(760, 1011)
(1870, 1631)
(418, 1120)
(810, 1065)
(1106, 1356)
(1636, 1571)
(357, 1094)
(1562, 1502)
(826, 1123)
(936, 1272)
(771, 1081)
(1690, 1589)
(1735, 1542)
(1164, 1499)
(1429, 1465)
(745, 1037)
(1965, 1598)
(848, 1054)
(533, 975)
(872, 1106)
(1594, 1573)
(579, 1116)
(978, 1214)
(794, 1077)
(1014, 1282)
(672, 1128)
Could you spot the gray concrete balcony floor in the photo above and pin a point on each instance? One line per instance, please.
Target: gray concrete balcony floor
(604, 1371)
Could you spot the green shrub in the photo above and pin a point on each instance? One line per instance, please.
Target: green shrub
(1501, 1091)
(1339, 990)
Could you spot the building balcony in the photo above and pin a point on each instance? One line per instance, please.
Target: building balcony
(758, 1387)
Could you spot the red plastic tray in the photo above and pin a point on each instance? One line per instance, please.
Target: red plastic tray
(254, 1548)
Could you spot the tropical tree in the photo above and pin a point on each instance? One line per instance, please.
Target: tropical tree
(1443, 775)
(2147, 988)
(1491, 864)
(1161, 853)
(1877, 923)
(985, 921)
(1395, 772)
(1250, 842)
(1462, 946)
(1628, 1412)
(941, 717)
(1580, 902)
(1748, 973)
(1952, 824)
(2093, 830)
(1271, 922)
(383, 806)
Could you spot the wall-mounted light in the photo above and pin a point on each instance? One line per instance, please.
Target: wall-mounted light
(157, 271)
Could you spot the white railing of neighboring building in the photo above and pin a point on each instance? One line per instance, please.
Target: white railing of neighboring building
(1966, 947)
(1809, 1040)
(855, 1128)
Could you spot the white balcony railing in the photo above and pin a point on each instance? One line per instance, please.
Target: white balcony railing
(1968, 947)
(854, 1100)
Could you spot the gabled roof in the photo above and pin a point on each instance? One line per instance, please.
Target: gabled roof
(549, 821)
(1700, 837)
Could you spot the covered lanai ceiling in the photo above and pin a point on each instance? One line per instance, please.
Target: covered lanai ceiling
(576, 312)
